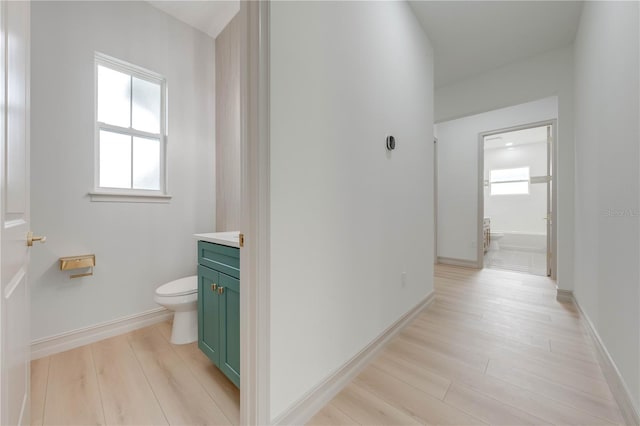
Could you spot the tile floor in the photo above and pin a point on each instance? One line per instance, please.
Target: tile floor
(528, 262)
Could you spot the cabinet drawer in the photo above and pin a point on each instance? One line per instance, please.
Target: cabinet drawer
(221, 258)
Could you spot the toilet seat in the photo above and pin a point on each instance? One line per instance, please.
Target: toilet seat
(179, 287)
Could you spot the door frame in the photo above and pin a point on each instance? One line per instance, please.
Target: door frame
(435, 200)
(255, 298)
(552, 155)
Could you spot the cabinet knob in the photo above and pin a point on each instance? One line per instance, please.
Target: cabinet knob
(220, 290)
(214, 287)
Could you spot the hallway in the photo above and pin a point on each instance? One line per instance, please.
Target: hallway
(495, 347)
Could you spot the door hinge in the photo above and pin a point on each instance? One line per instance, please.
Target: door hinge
(241, 239)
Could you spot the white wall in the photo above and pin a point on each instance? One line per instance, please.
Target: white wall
(347, 217)
(549, 74)
(458, 149)
(607, 180)
(521, 213)
(138, 246)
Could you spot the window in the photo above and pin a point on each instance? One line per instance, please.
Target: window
(509, 181)
(130, 130)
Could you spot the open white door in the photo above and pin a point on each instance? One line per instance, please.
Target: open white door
(14, 213)
(551, 203)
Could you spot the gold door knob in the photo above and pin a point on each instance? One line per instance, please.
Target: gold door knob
(214, 287)
(220, 290)
(31, 239)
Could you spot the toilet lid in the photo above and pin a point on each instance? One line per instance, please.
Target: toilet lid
(179, 287)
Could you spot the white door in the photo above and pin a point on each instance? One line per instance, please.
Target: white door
(14, 212)
(551, 227)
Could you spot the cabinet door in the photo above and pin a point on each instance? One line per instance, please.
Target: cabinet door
(209, 313)
(230, 328)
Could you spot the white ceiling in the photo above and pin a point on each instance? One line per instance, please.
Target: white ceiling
(471, 37)
(208, 16)
(468, 37)
(515, 138)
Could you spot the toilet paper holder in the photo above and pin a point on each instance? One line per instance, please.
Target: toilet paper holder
(78, 262)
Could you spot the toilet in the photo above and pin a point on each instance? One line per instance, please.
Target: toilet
(181, 296)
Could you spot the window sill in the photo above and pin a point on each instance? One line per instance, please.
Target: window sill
(122, 197)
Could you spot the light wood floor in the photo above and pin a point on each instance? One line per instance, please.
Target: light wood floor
(495, 347)
(136, 379)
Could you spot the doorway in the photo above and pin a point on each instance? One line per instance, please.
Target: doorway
(516, 205)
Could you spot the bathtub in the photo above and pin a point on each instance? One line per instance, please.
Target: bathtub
(521, 241)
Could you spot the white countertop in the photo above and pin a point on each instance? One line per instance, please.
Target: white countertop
(230, 239)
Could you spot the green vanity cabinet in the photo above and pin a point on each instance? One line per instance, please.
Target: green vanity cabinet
(219, 306)
(208, 317)
(230, 328)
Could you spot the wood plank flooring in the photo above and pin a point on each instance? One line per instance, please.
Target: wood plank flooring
(134, 379)
(495, 347)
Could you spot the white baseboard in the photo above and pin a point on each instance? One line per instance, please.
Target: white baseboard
(619, 389)
(83, 336)
(314, 400)
(458, 262)
(564, 295)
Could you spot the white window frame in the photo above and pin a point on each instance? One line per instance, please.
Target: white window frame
(528, 181)
(130, 194)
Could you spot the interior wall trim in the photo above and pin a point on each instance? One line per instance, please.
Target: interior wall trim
(552, 155)
(316, 398)
(93, 333)
(255, 187)
(564, 295)
(612, 375)
(458, 262)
